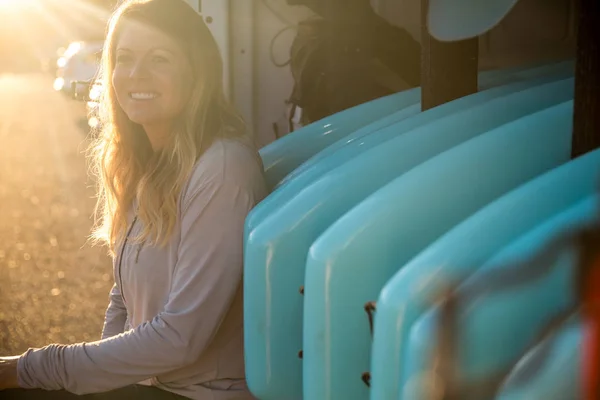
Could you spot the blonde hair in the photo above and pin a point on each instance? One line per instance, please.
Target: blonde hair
(126, 168)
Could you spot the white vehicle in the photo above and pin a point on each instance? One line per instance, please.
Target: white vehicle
(80, 62)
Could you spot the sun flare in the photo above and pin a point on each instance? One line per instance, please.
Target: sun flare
(8, 3)
(14, 5)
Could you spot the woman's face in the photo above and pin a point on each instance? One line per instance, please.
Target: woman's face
(152, 75)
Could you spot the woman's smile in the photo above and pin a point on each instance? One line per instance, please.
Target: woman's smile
(143, 96)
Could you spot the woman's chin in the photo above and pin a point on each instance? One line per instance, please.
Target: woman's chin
(143, 119)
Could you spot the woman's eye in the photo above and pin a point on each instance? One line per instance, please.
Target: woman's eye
(160, 59)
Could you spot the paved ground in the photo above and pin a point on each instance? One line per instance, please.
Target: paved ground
(53, 286)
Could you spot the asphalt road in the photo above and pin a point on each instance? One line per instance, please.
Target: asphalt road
(53, 285)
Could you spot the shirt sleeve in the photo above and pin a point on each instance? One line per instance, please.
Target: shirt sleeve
(116, 315)
(206, 277)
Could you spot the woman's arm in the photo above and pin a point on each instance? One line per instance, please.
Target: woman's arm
(116, 314)
(206, 277)
(8, 373)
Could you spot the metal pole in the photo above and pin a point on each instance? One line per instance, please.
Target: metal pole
(586, 124)
(448, 69)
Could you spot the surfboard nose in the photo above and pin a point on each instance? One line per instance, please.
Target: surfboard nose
(452, 20)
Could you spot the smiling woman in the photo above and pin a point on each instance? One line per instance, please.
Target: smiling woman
(177, 174)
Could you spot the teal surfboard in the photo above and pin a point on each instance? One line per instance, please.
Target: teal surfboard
(452, 20)
(285, 154)
(550, 370)
(501, 312)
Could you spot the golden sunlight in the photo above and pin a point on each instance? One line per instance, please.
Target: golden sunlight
(46, 197)
(5, 4)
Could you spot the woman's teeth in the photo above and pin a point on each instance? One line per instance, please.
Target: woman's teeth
(143, 96)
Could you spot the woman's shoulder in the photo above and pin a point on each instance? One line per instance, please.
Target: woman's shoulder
(228, 162)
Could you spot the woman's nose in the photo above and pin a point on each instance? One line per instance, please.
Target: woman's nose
(139, 70)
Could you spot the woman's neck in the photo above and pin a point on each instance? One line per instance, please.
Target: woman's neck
(158, 134)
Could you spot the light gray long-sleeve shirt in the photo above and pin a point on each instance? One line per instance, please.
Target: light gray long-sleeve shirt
(175, 318)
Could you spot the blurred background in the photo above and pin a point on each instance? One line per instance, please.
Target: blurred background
(53, 286)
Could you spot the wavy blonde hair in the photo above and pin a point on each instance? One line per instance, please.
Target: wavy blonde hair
(126, 168)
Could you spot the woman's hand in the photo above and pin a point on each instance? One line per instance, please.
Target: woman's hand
(8, 373)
